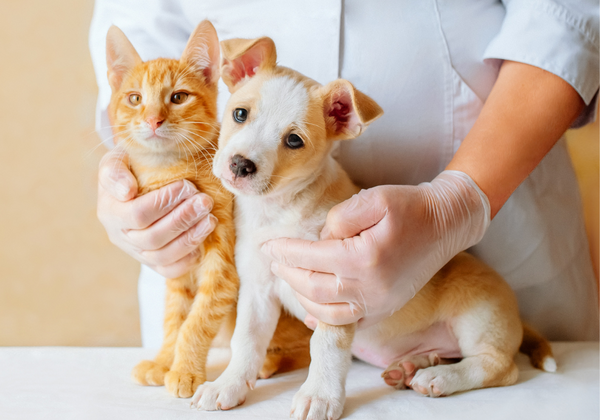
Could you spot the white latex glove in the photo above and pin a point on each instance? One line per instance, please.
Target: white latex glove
(161, 229)
(380, 247)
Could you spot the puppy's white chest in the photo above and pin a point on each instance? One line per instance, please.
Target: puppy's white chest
(259, 223)
(257, 226)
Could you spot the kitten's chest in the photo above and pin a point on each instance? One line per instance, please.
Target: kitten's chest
(151, 178)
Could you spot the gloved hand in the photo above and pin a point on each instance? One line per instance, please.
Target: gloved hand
(380, 247)
(161, 229)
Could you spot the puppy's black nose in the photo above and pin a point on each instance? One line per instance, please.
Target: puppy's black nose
(240, 166)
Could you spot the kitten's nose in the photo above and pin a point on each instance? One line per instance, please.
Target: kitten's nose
(240, 166)
(154, 122)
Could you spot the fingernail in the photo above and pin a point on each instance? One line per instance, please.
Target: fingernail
(188, 189)
(205, 227)
(310, 322)
(202, 204)
(122, 190)
(266, 249)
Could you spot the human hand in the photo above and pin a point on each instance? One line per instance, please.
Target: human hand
(161, 229)
(380, 247)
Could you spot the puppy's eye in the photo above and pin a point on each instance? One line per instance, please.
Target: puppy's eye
(135, 99)
(240, 115)
(294, 141)
(179, 97)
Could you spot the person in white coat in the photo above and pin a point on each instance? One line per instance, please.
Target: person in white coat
(485, 88)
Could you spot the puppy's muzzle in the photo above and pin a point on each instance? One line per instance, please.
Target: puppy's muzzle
(241, 167)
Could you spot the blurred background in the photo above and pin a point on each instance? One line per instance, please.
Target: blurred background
(63, 283)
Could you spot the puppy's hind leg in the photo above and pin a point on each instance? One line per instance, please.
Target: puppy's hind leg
(289, 349)
(488, 344)
(400, 373)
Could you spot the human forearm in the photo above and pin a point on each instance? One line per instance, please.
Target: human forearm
(526, 113)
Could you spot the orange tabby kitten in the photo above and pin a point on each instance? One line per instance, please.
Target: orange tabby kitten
(164, 116)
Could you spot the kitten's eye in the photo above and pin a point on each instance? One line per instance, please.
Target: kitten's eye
(179, 97)
(294, 141)
(240, 115)
(135, 99)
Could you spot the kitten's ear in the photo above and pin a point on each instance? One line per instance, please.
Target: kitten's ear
(243, 58)
(121, 57)
(347, 110)
(202, 51)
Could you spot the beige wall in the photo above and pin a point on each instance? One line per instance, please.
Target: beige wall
(583, 145)
(62, 282)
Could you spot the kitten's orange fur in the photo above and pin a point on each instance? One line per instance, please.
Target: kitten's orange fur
(198, 302)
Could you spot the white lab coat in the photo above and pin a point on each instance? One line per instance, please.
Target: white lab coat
(430, 64)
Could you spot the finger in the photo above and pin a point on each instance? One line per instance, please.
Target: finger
(183, 245)
(180, 220)
(115, 177)
(178, 268)
(315, 286)
(360, 212)
(310, 321)
(147, 209)
(334, 313)
(332, 256)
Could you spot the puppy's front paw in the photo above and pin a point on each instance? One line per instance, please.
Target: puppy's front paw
(317, 404)
(148, 372)
(183, 384)
(222, 394)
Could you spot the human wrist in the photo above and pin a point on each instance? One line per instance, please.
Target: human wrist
(459, 208)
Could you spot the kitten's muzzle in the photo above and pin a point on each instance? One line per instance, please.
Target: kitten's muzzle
(241, 167)
(154, 122)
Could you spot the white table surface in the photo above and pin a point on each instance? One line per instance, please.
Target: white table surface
(94, 383)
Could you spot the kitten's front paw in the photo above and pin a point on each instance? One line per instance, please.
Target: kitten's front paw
(222, 394)
(182, 384)
(317, 403)
(148, 372)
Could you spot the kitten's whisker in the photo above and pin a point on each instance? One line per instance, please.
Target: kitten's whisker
(190, 155)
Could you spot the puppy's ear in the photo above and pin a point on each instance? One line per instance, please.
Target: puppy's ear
(347, 111)
(121, 57)
(202, 51)
(243, 58)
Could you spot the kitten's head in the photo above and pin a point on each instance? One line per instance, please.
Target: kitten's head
(164, 108)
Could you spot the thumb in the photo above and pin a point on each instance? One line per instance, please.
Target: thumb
(115, 177)
(351, 217)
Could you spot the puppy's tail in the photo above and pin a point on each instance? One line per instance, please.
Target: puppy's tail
(538, 349)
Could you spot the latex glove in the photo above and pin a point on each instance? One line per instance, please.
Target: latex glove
(161, 229)
(380, 247)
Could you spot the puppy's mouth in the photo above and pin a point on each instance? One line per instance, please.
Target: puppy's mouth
(238, 185)
(247, 185)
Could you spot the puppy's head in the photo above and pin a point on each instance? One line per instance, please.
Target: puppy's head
(279, 125)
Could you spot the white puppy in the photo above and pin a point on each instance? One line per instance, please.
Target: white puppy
(275, 156)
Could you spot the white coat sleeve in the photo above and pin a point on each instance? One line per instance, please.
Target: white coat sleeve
(156, 28)
(559, 36)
